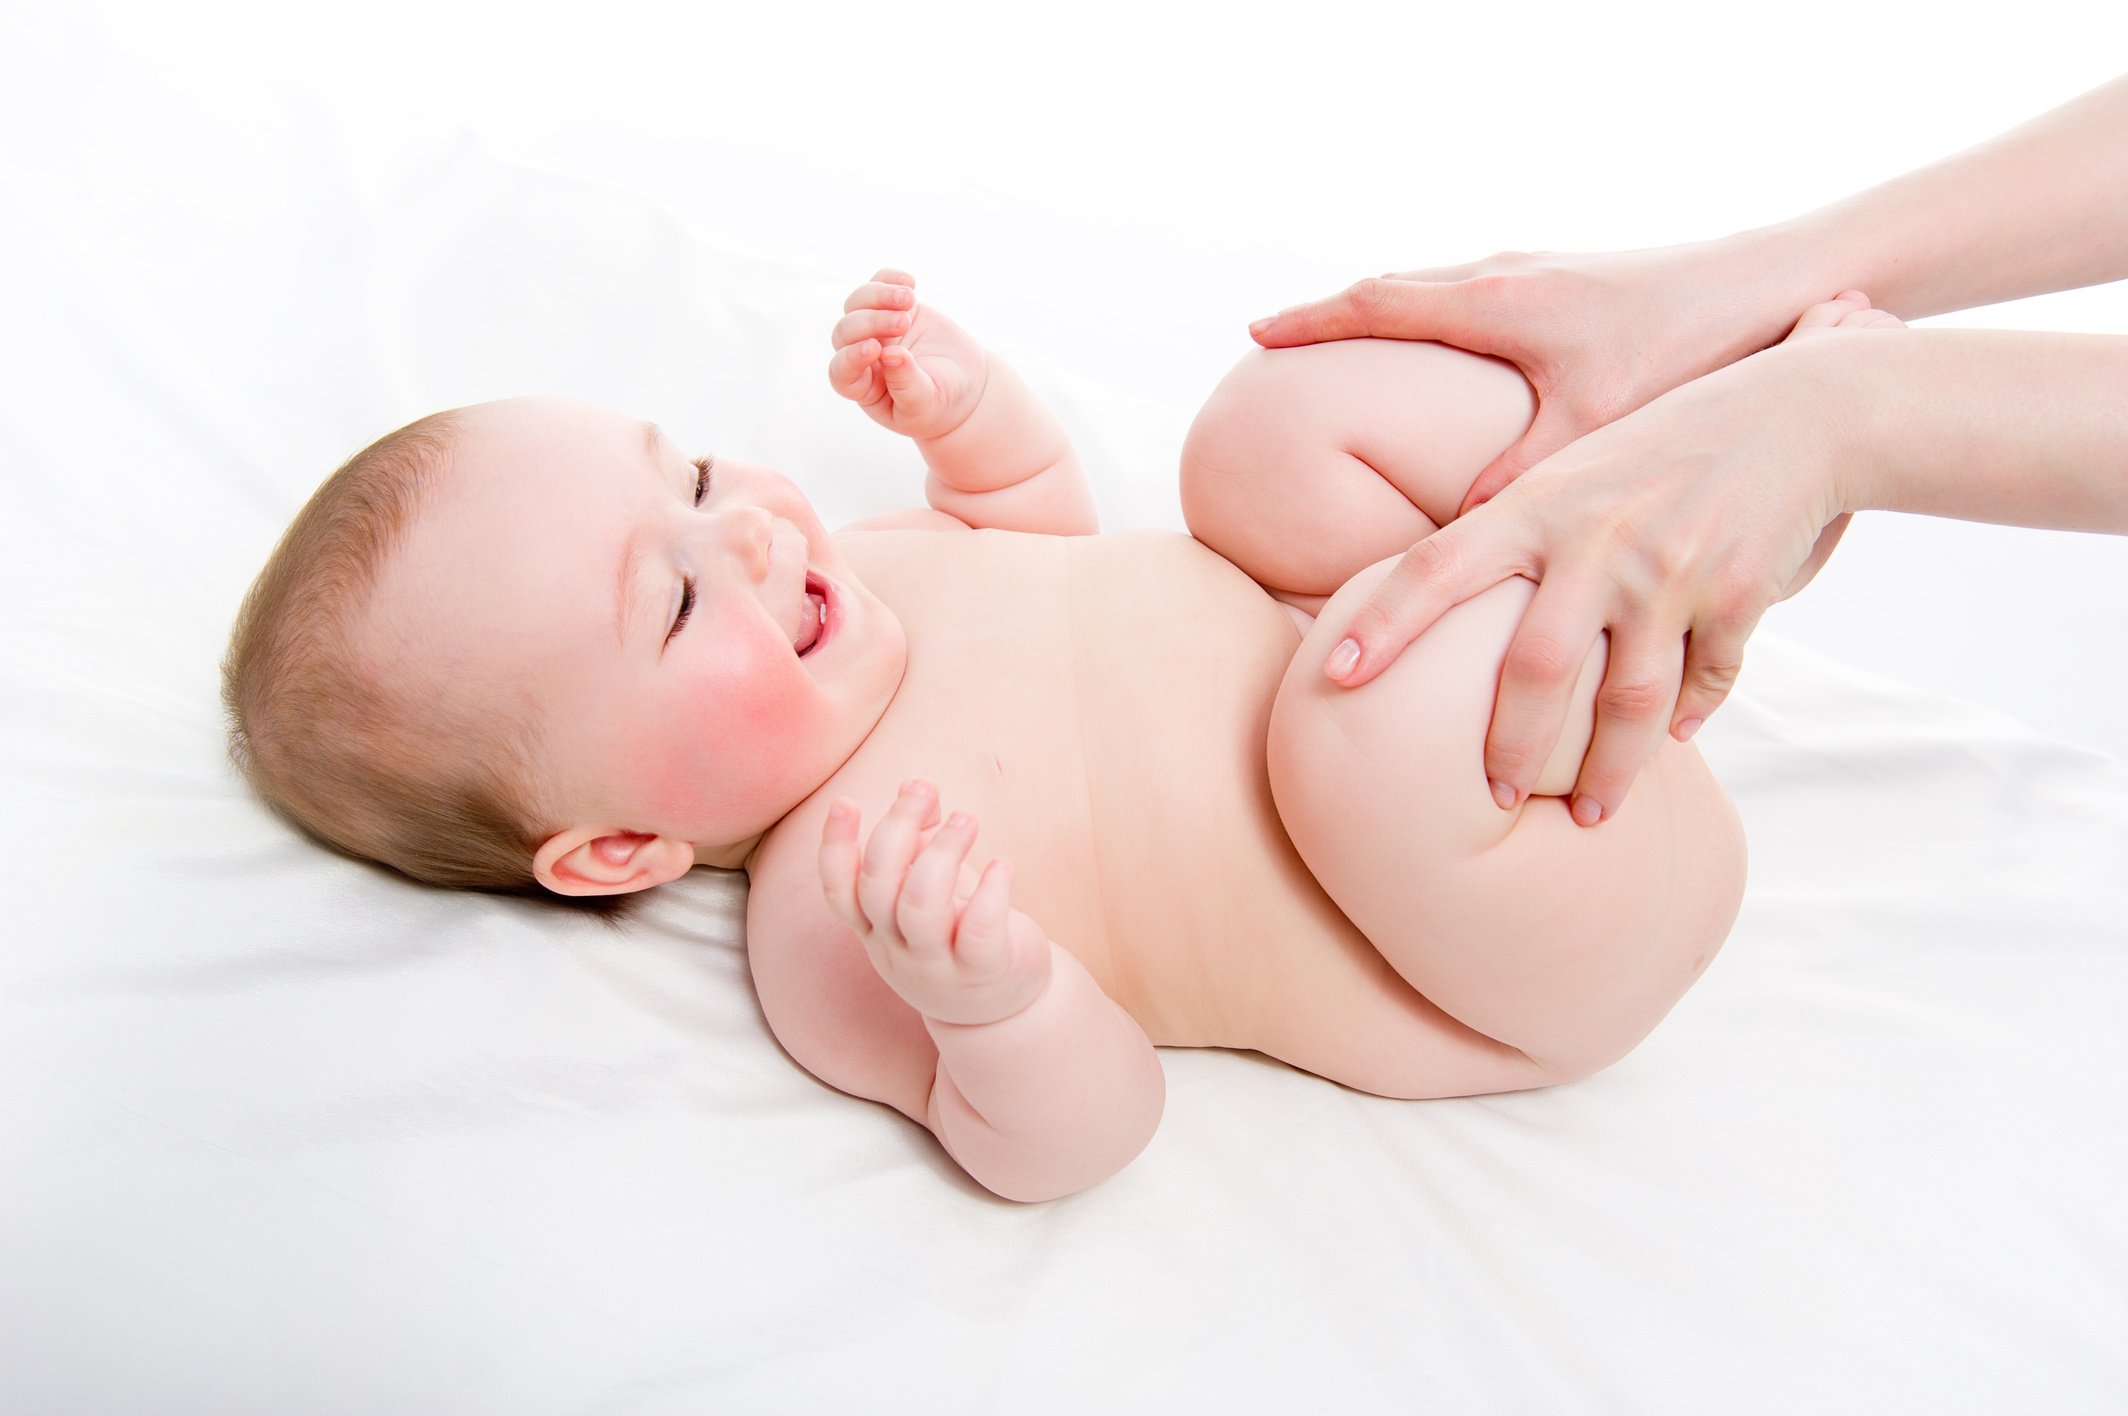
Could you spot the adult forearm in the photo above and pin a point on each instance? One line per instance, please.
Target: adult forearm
(1053, 1099)
(2042, 207)
(2010, 426)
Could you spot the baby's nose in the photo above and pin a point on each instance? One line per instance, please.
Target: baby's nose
(750, 531)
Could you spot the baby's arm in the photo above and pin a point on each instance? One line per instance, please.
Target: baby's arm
(998, 457)
(1044, 1085)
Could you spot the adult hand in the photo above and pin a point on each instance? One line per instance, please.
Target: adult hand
(1596, 335)
(1671, 529)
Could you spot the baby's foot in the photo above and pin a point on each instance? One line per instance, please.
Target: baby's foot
(1850, 309)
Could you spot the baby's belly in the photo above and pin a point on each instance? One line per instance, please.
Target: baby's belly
(1101, 706)
(1222, 936)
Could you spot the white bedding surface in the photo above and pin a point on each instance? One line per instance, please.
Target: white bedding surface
(279, 1133)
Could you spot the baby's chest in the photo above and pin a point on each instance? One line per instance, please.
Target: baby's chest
(1101, 708)
(1001, 739)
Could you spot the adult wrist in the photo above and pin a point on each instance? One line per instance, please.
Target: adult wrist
(1830, 382)
(1780, 271)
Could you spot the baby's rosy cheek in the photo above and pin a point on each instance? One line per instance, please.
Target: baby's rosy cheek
(732, 754)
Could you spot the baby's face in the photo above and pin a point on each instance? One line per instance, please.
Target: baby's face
(566, 564)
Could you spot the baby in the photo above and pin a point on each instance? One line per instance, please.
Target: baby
(531, 644)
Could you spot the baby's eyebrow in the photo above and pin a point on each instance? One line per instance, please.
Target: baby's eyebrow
(624, 590)
(624, 593)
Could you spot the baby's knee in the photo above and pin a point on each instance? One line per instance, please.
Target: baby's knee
(1269, 478)
(1425, 417)
(1277, 405)
(1238, 435)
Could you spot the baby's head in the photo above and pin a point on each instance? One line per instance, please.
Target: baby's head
(530, 646)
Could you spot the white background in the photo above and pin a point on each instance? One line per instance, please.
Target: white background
(280, 1134)
(1118, 189)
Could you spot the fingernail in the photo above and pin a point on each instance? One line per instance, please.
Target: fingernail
(1502, 793)
(958, 821)
(1343, 658)
(1687, 728)
(1587, 810)
(1261, 325)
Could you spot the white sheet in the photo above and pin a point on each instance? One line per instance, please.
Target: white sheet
(278, 1133)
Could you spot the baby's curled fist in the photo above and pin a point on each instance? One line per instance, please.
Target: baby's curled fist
(908, 366)
(950, 945)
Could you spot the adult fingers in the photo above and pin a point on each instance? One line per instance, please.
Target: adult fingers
(1714, 656)
(1386, 309)
(1438, 573)
(1633, 708)
(1439, 273)
(1544, 662)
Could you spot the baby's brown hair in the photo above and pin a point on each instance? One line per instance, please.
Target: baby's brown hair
(335, 746)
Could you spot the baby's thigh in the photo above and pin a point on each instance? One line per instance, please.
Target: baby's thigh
(1408, 747)
(1377, 784)
(1565, 942)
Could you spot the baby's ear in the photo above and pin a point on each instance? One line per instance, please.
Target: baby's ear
(601, 861)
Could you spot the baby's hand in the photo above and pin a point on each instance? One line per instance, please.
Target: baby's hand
(952, 947)
(910, 367)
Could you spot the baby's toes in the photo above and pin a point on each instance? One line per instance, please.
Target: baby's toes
(1848, 310)
(1871, 319)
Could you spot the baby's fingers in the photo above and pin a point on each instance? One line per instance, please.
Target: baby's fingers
(983, 940)
(854, 371)
(887, 854)
(838, 865)
(883, 293)
(881, 325)
(914, 391)
(924, 913)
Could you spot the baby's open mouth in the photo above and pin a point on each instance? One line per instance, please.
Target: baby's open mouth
(814, 624)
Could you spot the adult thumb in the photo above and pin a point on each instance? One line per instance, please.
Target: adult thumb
(1546, 434)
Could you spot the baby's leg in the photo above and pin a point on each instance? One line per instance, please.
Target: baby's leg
(1308, 464)
(1567, 942)
(1311, 473)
